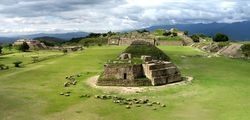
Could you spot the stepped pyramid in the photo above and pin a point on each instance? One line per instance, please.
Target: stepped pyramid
(141, 64)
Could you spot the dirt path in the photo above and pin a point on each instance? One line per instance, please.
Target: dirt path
(130, 90)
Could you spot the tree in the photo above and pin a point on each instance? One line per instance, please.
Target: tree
(219, 37)
(17, 63)
(24, 47)
(195, 38)
(1, 49)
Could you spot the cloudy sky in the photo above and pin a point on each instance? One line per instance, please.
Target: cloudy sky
(35, 16)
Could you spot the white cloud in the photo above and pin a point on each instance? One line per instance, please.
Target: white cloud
(33, 16)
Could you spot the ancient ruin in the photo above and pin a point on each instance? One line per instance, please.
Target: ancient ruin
(33, 44)
(141, 69)
(129, 38)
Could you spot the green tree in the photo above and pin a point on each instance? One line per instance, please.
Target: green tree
(24, 47)
(195, 38)
(1, 49)
(219, 37)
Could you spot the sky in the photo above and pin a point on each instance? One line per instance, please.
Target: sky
(57, 16)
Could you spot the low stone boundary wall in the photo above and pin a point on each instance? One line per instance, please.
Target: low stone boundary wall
(127, 83)
(169, 43)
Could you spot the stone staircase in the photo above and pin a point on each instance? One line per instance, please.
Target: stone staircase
(161, 73)
(186, 40)
(233, 50)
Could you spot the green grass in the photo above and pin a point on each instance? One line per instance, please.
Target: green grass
(159, 35)
(244, 42)
(159, 32)
(220, 89)
(26, 57)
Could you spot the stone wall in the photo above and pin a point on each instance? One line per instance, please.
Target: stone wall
(129, 72)
(169, 43)
(128, 41)
(128, 83)
(157, 73)
(33, 44)
(113, 41)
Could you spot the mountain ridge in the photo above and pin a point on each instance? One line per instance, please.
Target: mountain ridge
(237, 31)
(63, 36)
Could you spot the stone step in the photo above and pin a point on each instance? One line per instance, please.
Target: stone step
(160, 77)
(164, 71)
(159, 66)
(166, 79)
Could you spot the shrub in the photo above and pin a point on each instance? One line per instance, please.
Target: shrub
(142, 31)
(219, 37)
(2, 66)
(223, 44)
(174, 34)
(195, 38)
(17, 63)
(246, 50)
(167, 33)
(35, 59)
(65, 51)
(99, 44)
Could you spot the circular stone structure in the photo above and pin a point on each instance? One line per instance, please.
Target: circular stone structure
(92, 82)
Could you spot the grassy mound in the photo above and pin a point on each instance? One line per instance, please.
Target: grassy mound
(139, 48)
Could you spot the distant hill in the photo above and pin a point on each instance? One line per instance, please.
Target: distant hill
(50, 41)
(62, 36)
(7, 39)
(237, 31)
